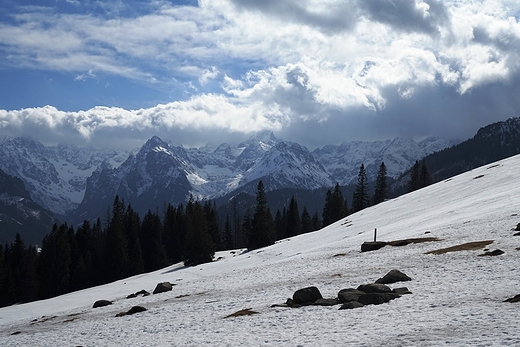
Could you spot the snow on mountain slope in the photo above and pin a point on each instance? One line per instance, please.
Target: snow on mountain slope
(399, 154)
(55, 176)
(457, 297)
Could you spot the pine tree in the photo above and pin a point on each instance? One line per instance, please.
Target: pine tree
(414, 182)
(294, 225)
(210, 210)
(116, 252)
(361, 198)
(306, 221)
(172, 238)
(262, 228)
(228, 242)
(198, 245)
(132, 227)
(335, 206)
(381, 190)
(280, 224)
(54, 262)
(154, 254)
(424, 176)
(316, 222)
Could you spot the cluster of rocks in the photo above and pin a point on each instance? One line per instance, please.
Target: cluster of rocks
(365, 294)
(160, 288)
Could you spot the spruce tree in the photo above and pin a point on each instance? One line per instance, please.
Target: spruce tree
(228, 242)
(198, 244)
(381, 190)
(132, 227)
(327, 209)
(361, 199)
(262, 228)
(424, 176)
(116, 248)
(294, 225)
(154, 254)
(306, 221)
(414, 182)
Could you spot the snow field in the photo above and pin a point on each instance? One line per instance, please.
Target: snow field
(457, 297)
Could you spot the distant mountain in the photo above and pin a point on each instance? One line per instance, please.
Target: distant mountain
(156, 175)
(55, 176)
(491, 143)
(20, 214)
(81, 183)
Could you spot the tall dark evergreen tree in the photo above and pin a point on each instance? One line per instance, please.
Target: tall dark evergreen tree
(381, 190)
(132, 227)
(54, 262)
(198, 245)
(116, 251)
(172, 238)
(294, 225)
(228, 241)
(154, 254)
(262, 228)
(335, 206)
(210, 210)
(414, 182)
(280, 224)
(361, 197)
(306, 221)
(424, 176)
(316, 222)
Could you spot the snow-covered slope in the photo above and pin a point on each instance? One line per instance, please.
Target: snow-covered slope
(457, 297)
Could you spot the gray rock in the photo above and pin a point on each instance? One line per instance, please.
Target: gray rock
(372, 246)
(326, 302)
(101, 303)
(349, 294)
(163, 287)
(393, 276)
(350, 305)
(377, 298)
(401, 291)
(374, 288)
(306, 296)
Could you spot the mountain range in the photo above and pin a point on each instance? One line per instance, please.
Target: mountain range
(78, 183)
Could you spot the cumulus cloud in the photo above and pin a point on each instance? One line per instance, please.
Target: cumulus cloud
(351, 68)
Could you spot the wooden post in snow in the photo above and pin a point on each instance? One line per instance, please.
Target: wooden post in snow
(375, 234)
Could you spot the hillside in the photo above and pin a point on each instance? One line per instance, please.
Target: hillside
(457, 298)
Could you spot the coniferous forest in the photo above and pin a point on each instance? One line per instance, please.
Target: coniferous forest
(126, 244)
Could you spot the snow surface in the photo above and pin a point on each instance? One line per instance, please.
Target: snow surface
(457, 297)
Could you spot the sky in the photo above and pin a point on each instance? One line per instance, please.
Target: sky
(115, 73)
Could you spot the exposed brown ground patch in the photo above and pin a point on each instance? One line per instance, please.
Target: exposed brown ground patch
(244, 312)
(470, 246)
(412, 240)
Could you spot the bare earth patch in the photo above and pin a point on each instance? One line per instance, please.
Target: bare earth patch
(470, 246)
(244, 312)
(412, 240)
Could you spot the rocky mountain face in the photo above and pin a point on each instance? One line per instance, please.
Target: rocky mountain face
(81, 183)
(20, 214)
(54, 176)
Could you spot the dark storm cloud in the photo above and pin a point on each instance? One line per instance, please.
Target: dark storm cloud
(406, 15)
(336, 18)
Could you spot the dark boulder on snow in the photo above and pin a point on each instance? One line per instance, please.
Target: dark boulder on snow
(350, 305)
(163, 287)
(517, 227)
(136, 294)
(515, 298)
(306, 296)
(374, 288)
(133, 310)
(492, 253)
(326, 302)
(101, 303)
(377, 298)
(349, 294)
(372, 246)
(393, 276)
(401, 291)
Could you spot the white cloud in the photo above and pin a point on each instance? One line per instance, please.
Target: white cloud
(274, 67)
